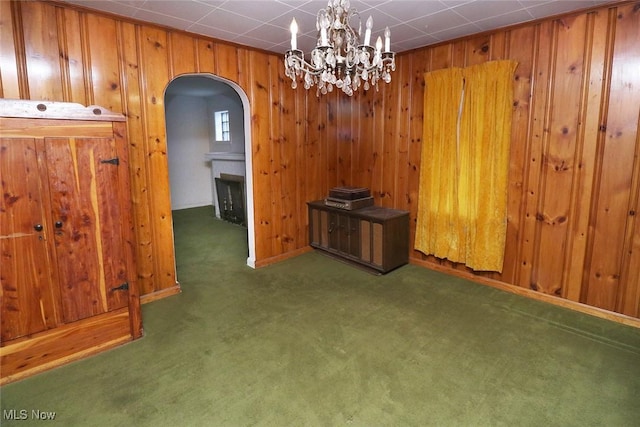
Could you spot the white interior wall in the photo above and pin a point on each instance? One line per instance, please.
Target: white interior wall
(227, 101)
(187, 141)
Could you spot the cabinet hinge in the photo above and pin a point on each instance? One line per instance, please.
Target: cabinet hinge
(123, 287)
(114, 161)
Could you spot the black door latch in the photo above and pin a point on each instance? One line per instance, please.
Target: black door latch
(123, 287)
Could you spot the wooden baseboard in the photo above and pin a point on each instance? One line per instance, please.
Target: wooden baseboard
(164, 293)
(572, 305)
(278, 258)
(27, 356)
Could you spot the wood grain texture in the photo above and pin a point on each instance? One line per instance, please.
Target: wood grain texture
(27, 302)
(44, 351)
(573, 172)
(66, 236)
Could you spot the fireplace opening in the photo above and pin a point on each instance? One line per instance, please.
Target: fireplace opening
(231, 201)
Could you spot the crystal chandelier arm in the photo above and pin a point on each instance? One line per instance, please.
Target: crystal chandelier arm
(340, 58)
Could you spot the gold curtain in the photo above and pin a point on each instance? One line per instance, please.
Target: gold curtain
(462, 204)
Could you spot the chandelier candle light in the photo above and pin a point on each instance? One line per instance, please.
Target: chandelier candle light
(340, 59)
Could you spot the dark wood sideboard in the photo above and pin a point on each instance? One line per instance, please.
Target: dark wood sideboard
(373, 237)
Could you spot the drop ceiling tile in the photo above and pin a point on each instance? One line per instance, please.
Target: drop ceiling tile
(251, 41)
(504, 20)
(248, 7)
(479, 11)
(418, 42)
(229, 21)
(404, 32)
(169, 21)
(445, 18)
(108, 6)
(306, 22)
(212, 32)
(406, 10)
(188, 10)
(439, 21)
(453, 33)
(213, 3)
(266, 32)
(557, 7)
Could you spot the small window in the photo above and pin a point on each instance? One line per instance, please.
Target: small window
(222, 126)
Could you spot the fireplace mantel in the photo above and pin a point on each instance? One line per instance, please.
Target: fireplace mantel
(231, 157)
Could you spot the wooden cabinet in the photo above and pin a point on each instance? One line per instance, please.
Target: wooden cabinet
(68, 277)
(373, 237)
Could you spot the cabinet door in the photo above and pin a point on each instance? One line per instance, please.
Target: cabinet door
(26, 297)
(83, 181)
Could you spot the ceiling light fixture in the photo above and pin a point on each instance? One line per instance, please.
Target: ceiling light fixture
(340, 58)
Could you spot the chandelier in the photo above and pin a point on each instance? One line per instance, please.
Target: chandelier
(340, 59)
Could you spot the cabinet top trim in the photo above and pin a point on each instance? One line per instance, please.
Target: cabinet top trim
(22, 108)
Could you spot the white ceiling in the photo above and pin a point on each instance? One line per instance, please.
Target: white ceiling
(265, 24)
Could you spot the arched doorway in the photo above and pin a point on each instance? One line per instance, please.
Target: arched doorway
(190, 101)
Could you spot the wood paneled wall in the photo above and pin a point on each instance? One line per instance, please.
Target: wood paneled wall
(573, 231)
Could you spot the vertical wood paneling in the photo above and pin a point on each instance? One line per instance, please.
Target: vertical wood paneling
(133, 105)
(520, 48)
(419, 65)
(331, 106)
(71, 55)
(41, 51)
(314, 148)
(226, 61)
(155, 76)
(344, 140)
(205, 56)
(9, 83)
(572, 213)
(260, 135)
(102, 47)
(560, 146)
(533, 168)
(402, 130)
(301, 163)
(182, 53)
(377, 145)
(390, 144)
(288, 146)
(275, 162)
(612, 214)
(363, 161)
(589, 139)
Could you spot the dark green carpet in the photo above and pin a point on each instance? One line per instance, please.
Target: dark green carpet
(313, 342)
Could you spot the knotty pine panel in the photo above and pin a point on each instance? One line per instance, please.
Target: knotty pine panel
(103, 62)
(71, 52)
(614, 213)
(315, 148)
(419, 65)
(133, 108)
(9, 82)
(226, 60)
(559, 157)
(276, 169)
(205, 56)
(261, 137)
(182, 53)
(42, 63)
(155, 75)
(520, 133)
(599, 37)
